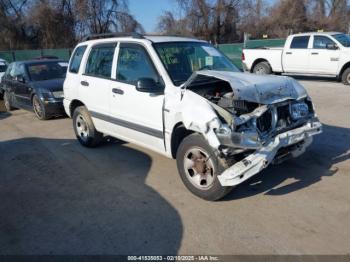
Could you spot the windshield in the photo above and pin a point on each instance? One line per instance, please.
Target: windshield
(47, 70)
(343, 39)
(3, 67)
(181, 59)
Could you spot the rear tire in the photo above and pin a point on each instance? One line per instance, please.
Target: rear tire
(39, 108)
(346, 77)
(262, 68)
(8, 102)
(199, 166)
(84, 128)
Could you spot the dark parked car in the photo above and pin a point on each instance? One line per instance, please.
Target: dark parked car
(35, 85)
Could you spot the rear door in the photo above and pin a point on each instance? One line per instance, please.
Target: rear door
(295, 58)
(323, 60)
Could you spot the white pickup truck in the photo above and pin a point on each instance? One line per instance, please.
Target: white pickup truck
(316, 54)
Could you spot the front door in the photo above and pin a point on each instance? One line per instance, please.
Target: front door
(322, 59)
(137, 116)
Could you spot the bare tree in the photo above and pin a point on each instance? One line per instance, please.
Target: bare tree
(100, 16)
(210, 20)
(60, 23)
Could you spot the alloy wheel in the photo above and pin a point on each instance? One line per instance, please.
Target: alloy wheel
(37, 107)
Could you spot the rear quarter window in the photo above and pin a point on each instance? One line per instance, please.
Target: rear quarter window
(300, 42)
(76, 59)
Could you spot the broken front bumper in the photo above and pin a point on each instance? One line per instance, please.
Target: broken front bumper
(262, 157)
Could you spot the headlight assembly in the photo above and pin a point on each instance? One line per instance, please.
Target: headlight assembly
(299, 110)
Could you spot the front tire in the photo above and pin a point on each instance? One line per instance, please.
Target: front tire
(199, 167)
(39, 108)
(262, 68)
(84, 128)
(8, 102)
(346, 77)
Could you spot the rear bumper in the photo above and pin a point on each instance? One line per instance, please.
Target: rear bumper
(262, 157)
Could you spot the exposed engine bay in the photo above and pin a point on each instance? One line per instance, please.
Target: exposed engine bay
(272, 120)
(255, 124)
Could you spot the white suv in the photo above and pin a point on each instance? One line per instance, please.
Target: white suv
(184, 99)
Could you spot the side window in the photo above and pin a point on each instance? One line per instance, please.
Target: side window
(134, 63)
(76, 59)
(100, 61)
(300, 42)
(321, 42)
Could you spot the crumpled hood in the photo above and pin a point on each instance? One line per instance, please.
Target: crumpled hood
(51, 85)
(263, 89)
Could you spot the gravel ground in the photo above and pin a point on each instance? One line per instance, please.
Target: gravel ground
(60, 198)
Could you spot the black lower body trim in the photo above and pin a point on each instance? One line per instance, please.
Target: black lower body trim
(130, 125)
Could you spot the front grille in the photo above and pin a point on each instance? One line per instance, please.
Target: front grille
(264, 122)
(283, 116)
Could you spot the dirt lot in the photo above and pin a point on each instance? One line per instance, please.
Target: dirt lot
(60, 198)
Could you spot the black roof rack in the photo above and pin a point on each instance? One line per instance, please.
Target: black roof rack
(110, 35)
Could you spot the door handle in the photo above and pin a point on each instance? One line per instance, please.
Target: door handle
(118, 91)
(314, 53)
(289, 53)
(84, 83)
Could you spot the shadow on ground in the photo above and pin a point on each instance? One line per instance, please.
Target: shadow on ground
(329, 148)
(60, 198)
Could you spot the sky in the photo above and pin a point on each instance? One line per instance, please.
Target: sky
(147, 12)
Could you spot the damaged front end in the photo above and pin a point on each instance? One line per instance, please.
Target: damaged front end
(252, 120)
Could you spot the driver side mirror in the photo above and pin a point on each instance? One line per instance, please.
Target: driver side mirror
(332, 46)
(148, 85)
(21, 79)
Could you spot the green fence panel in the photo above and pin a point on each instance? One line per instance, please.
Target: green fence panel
(234, 51)
(265, 43)
(6, 56)
(22, 55)
(63, 53)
